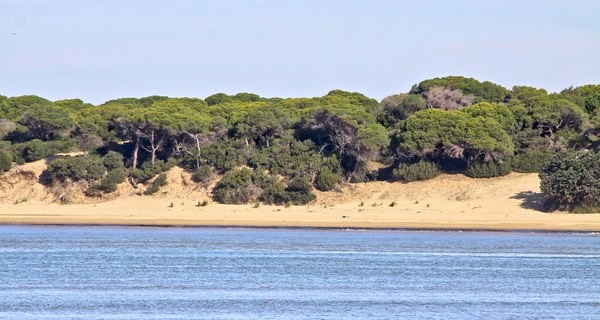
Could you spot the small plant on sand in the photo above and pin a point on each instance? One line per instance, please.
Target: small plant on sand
(256, 205)
(171, 205)
(160, 181)
(288, 204)
(393, 204)
(202, 204)
(362, 203)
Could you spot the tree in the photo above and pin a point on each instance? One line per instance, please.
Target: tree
(526, 94)
(454, 134)
(571, 180)
(72, 104)
(47, 122)
(353, 143)
(554, 114)
(447, 99)
(261, 126)
(13, 108)
(338, 97)
(217, 98)
(481, 91)
(152, 128)
(399, 107)
(236, 187)
(498, 112)
(5, 161)
(587, 97)
(6, 127)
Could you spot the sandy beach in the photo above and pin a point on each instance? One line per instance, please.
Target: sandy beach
(513, 202)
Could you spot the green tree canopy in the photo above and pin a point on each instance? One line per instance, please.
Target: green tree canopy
(483, 91)
(457, 134)
(571, 180)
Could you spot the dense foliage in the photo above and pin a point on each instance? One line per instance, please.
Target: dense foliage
(276, 150)
(422, 170)
(572, 180)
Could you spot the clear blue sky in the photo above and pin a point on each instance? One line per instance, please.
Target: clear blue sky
(104, 49)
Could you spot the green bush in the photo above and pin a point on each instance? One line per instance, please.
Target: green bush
(273, 190)
(86, 168)
(5, 161)
(203, 174)
(160, 181)
(299, 191)
(224, 156)
(37, 149)
(422, 170)
(572, 180)
(243, 186)
(110, 170)
(113, 160)
(326, 180)
(488, 169)
(531, 160)
(112, 179)
(148, 171)
(235, 187)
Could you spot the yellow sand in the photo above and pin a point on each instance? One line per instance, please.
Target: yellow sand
(447, 202)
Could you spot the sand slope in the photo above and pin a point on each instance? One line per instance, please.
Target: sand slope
(447, 202)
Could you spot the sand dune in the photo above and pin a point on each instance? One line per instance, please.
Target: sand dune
(512, 202)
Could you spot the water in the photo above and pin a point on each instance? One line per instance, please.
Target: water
(203, 273)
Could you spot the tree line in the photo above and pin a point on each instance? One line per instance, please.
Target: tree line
(277, 150)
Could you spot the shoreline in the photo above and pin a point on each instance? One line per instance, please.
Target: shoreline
(313, 228)
(446, 203)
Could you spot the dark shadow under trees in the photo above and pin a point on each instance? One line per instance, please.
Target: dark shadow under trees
(534, 201)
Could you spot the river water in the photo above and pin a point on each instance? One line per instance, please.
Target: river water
(206, 273)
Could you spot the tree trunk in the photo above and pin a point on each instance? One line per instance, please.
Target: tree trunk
(153, 148)
(353, 170)
(136, 149)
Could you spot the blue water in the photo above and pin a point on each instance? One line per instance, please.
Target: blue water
(203, 273)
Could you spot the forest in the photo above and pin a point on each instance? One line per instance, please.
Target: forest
(276, 150)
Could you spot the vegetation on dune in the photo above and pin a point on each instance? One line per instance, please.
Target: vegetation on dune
(572, 180)
(276, 151)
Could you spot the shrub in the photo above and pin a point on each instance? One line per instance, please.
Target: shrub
(299, 191)
(93, 190)
(488, 169)
(148, 170)
(204, 203)
(113, 163)
(243, 186)
(273, 190)
(5, 161)
(203, 174)
(86, 168)
(37, 149)
(113, 160)
(160, 181)
(326, 180)
(235, 187)
(112, 179)
(224, 156)
(572, 180)
(531, 160)
(422, 170)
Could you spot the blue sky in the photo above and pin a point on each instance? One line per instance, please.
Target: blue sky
(98, 50)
